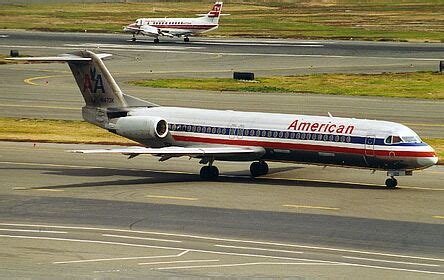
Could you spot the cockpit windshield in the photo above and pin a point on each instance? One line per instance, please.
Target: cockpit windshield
(395, 139)
(411, 139)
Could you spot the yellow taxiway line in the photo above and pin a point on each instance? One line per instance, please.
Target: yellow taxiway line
(172, 197)
(30, 81)
(312, 207)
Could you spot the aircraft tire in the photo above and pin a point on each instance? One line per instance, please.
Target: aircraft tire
(264, 167)
(258, 168)
(209, 172)
(156, 40)
(391, 183)
(186, 39)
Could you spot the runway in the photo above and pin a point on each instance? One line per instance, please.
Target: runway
(106, 216)
(71, 215)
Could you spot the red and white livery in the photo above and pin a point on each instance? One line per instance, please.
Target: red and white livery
(176, 27)
(212, 135)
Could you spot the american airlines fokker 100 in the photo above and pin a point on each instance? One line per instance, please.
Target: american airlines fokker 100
(216, 135)
(176, 27)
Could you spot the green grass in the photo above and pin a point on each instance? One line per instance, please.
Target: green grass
(56, 131)
(62, 131)
(407, 20)
(428, 85)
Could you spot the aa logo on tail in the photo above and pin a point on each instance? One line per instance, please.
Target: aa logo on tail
(93, 81)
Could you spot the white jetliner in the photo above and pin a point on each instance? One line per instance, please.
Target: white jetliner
(176, 27)
(210, 135)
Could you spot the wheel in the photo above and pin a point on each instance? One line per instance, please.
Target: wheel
(264, 167)
(214, 171)
(209, 172)
(186, 39)
(156, 40)
(133, 39)
(391, 183)
(258, 168)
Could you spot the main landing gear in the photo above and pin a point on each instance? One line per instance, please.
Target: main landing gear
(156, 40)
(391, 183)
(258, 168)
(209, 172)
(134, 38)
(186, 39)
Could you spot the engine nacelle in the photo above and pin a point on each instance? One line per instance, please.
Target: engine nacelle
(144, 127)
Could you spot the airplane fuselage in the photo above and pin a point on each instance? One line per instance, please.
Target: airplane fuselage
(320, 140)
(179, 25)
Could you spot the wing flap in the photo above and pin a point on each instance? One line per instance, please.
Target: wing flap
(176, 151)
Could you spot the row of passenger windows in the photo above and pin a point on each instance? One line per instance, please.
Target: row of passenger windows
(260, 133)
(166, 23)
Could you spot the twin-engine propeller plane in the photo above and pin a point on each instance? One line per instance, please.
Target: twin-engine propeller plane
(212, 135)
(176, 27)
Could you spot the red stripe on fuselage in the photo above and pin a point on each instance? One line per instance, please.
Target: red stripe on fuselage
(300, 147)
(183, 26)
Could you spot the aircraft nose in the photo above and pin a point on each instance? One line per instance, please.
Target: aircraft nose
(428, 161)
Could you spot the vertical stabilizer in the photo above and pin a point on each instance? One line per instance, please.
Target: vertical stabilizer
(214, 15)
(98, 87)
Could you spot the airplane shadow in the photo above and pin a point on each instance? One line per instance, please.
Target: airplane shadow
(152, 177)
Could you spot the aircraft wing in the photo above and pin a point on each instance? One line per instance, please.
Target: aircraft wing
(149, 30)
(168, 152)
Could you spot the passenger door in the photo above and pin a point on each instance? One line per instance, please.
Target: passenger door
(370, 146)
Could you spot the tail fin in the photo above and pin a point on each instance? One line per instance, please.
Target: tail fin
(99, 89)
(215, 13)
(216, 10)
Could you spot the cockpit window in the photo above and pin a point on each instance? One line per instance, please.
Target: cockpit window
(411, 139)
(394, 139)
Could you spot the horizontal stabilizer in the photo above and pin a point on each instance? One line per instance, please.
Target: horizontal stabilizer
(62, 58)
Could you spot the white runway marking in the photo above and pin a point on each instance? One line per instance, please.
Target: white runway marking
(387, 261)
(309, 45)
(123, 258)
(258, 249)
(188, 261)
(229, 240)
(139, 47)
(245, 264)
(226, 253)
(141, 238)
(32, 230)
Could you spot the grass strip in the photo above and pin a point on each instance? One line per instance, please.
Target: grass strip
(79, 132)
(395, 20)
(57, 131)
(427, 85)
